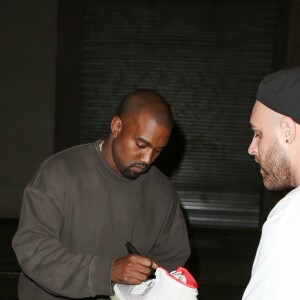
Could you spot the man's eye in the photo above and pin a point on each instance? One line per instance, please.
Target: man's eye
(256, 134)
(141, 145)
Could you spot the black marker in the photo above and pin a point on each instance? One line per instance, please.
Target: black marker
(131, 249)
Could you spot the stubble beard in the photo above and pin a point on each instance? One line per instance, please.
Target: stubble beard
(276, 168)
(129, 174)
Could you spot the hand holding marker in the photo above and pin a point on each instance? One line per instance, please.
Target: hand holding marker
(131, 250)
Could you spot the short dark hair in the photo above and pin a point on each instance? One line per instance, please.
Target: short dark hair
(149, 101)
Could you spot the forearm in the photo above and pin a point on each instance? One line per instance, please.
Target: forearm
(50, 264)
(60, 271)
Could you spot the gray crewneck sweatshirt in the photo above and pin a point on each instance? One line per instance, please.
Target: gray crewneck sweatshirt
(77, 214)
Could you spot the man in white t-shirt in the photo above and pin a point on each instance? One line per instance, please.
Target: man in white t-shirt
(275, 121)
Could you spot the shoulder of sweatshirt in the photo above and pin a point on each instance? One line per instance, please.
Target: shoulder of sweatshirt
(62, 164)
(159, 180)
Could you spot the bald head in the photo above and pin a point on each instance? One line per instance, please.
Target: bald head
(147, 102)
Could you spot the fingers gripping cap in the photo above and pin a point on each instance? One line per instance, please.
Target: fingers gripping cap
(280, 91)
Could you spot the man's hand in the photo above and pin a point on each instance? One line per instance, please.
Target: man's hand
(132, 269)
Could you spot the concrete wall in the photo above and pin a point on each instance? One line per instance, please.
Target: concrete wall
(28, 35)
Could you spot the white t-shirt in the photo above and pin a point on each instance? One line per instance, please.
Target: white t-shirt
(276, 268)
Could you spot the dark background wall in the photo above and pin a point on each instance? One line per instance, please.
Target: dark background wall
(64, 66)
(28, 39)
(42, 57)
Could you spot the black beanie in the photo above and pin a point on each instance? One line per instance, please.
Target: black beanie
(280, 91)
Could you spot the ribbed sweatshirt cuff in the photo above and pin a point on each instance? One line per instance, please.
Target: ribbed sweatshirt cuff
(100, 276)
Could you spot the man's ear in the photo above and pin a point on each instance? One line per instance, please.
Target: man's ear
(116, 126)
(288, 129)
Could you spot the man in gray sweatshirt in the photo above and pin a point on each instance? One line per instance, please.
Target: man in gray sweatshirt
(85, 203)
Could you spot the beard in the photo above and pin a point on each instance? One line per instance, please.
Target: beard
(276, 168)
(133, 171)
(131, 174)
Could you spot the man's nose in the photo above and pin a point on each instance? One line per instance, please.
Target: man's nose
(252, 149)
(147, 157)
